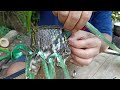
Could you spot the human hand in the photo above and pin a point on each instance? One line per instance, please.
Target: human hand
(73, 20)
(84, 47)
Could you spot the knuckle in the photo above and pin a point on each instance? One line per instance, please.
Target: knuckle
(63, 13)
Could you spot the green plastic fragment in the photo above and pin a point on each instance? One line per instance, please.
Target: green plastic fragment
(16, 53)
(6, 56)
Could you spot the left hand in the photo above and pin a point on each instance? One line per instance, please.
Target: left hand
(84, 47)
(73, 20)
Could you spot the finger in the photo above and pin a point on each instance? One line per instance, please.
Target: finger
(55, 13)
(85, 53)
(76, 63)
(79, 35)
(83, 20)
(87, 43)
(72, 19)
(81, 61)
(62, 16)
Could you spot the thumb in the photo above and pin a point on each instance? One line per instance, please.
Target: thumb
(55, 13)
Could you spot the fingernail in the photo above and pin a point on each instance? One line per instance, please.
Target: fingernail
(71, 61)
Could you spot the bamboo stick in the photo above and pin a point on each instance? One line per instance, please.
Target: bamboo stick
(6, 40)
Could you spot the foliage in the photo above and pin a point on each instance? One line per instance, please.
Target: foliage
(116, 16)
(21, 19)
(3, 31)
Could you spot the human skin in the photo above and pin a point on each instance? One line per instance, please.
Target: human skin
(73, 20)
(84, 45)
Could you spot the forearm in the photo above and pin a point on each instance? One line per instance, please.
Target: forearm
(104, 46)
